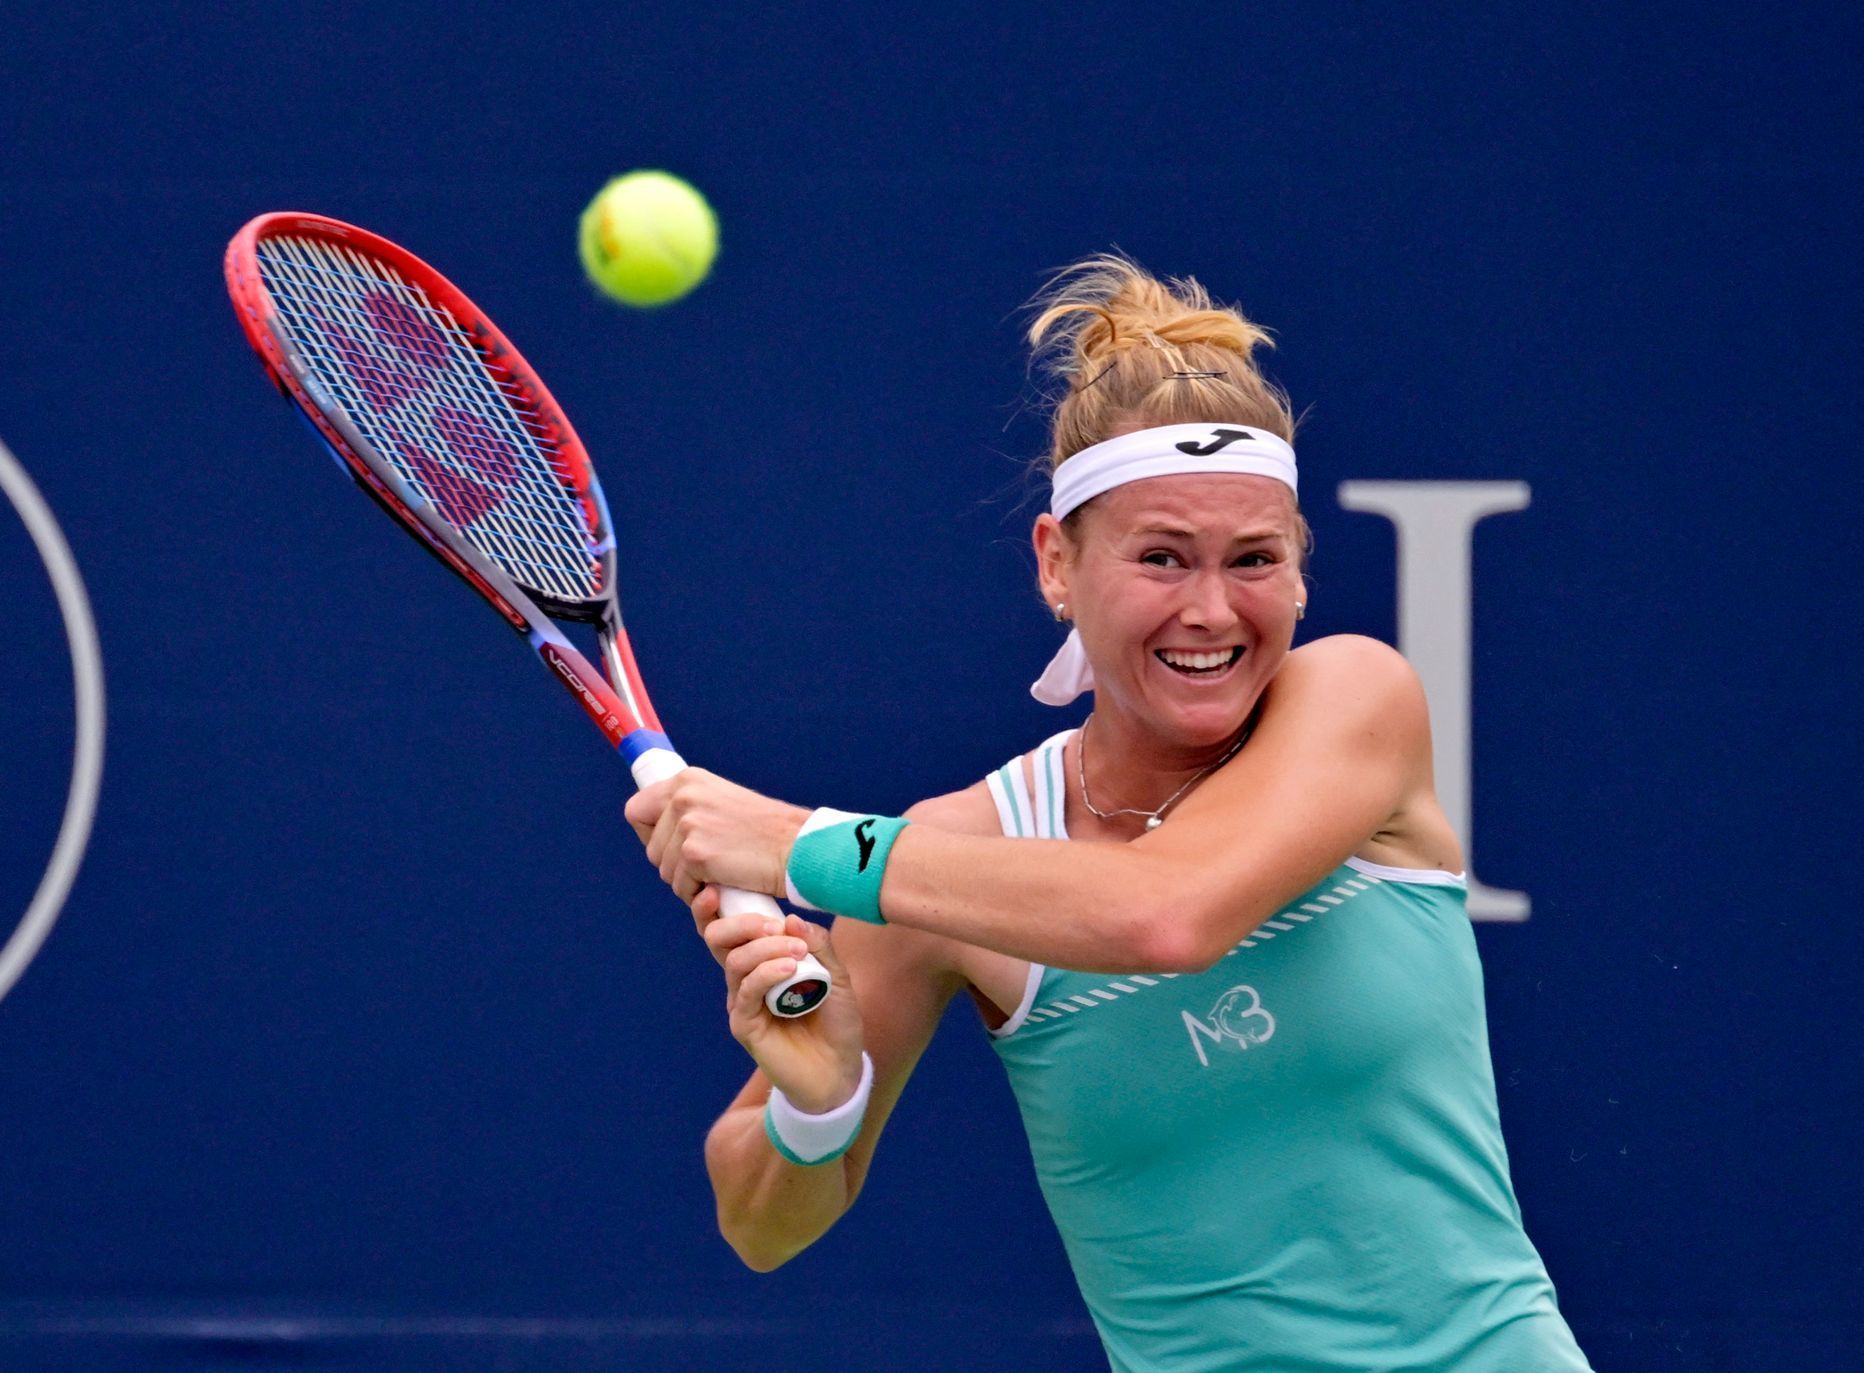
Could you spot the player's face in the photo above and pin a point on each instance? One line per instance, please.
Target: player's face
(1184, 589)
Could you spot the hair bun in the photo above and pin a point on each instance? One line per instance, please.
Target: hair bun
(1128, 350)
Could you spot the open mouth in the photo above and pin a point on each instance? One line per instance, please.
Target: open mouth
(1213, 663)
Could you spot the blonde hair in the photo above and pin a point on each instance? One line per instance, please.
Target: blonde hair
(1125, 350)
(1129, 351)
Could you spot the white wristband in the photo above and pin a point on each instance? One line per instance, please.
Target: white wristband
(807, 1140)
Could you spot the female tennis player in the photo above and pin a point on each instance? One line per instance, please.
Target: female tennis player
(1217, 934)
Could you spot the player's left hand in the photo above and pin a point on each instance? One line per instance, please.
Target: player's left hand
(701, 829)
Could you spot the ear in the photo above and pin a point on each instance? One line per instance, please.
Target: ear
(1054, 555)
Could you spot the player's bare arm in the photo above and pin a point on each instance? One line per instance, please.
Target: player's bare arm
(892, 987)
(1341, 753)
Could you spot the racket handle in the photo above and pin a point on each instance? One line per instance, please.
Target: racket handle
(803, 990)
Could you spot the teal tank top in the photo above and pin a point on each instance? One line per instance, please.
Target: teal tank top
(1291, 1162)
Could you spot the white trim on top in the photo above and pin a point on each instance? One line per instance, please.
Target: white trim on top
(1052, 757)
(1041, 797)
(1000, 798)
(1031, 985)
(1024, 799)
(1420, 877)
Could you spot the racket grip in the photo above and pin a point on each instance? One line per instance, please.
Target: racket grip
(803, 990)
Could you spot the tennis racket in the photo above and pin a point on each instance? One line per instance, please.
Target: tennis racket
(438, 418)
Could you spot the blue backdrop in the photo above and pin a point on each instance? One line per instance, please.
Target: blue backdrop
(368, 1040)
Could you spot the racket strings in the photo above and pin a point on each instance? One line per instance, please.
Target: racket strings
(482, 477)
(417, 387)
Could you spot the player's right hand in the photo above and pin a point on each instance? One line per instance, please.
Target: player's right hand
(815, 1059)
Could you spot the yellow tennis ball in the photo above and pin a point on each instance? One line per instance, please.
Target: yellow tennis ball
(648, 238)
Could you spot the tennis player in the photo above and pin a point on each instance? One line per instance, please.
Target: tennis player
(1217, 933)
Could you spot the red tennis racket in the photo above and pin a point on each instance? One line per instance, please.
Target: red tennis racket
(434, 414)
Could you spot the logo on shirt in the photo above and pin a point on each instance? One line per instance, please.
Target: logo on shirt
(1237, 1022)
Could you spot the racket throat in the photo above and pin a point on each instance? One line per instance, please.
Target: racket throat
(592, 693)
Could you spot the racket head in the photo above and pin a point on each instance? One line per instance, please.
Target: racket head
(440, 419)
(426, 395)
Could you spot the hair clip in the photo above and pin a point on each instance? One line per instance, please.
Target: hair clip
(1193, 376)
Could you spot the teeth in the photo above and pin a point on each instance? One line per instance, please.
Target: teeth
(1201, 662)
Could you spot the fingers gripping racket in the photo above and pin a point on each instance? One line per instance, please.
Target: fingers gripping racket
(434, 414)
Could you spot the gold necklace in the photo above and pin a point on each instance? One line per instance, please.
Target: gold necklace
(1154, 818)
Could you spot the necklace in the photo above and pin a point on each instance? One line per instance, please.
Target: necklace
(1154, 818)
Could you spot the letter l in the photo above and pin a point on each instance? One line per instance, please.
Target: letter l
(1435, 522)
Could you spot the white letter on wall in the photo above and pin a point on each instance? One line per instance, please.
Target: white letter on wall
(1435, 521)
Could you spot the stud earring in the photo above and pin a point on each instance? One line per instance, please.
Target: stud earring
(1300, 610)
(1061, 610)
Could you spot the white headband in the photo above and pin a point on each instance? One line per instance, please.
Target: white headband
(1171, 450)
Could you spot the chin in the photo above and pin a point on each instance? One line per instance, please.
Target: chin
(1219, 706)
(1203, 724)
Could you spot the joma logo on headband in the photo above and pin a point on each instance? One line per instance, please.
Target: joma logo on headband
(1221, 439)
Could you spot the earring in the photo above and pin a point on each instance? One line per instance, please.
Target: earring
(1061, 610)
(1300, 610)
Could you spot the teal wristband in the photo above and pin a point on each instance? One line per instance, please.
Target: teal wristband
(838, 860)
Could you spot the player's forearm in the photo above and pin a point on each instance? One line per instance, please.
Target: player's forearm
(1093, 907)
(770, 1210)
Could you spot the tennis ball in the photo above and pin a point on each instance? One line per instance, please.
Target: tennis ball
(648, 238)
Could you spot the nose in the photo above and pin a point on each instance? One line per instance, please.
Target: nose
(1207, 604)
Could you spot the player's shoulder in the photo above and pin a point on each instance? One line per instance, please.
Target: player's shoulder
(1349, 674)
(1350, 657)
(966, 811)
(1359, 651)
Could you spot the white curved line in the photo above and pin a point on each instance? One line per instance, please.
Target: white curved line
(88, 755)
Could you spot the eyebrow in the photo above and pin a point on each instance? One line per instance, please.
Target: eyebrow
(1180, 532)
